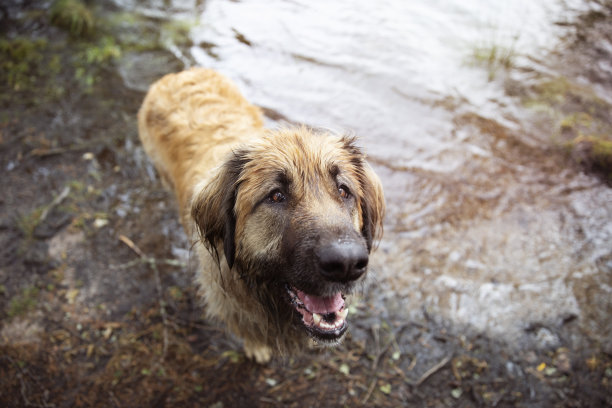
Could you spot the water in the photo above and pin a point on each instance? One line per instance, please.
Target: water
(484, 229)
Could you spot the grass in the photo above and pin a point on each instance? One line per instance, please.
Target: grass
(24, 302)
(581, 122)
(494, 58)
(72, 16)
(19, 61)
(28, 222)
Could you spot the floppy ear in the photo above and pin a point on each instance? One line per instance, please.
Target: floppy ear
(372, 205)
(213, 208)
(371, 200)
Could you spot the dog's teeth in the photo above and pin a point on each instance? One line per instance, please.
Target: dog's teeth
(316, 318)
(326, 326)
(343, 313)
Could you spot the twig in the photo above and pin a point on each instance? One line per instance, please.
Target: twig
(162, 305)
(432, 371)
(23, 385)
(162, 309)
(379, 354)
(168, 262)
(131, 245)
(370, 390)
(269, 401)
(56, 201)
(44, 152)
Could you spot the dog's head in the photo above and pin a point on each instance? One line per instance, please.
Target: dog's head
(295, 214)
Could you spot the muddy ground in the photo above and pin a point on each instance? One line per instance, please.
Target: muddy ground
(97, 307)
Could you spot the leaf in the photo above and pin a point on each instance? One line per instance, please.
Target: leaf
(344, 369)
(71, 295)
(456, 393)
(232, 355)
(385, 388)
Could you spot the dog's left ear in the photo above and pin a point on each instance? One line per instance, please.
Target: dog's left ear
(371, 199)
(213, 208)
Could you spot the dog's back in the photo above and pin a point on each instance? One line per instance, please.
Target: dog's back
(189, 122)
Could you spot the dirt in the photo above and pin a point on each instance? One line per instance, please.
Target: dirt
(97, 306)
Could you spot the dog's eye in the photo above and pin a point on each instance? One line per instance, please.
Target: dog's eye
(344, 192)
(276, 197)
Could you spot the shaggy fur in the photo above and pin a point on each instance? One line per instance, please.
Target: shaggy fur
(264, 207)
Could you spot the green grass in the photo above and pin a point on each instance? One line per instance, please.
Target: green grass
(72, 16)
(494, 58)
(19, 61)
(24, 302)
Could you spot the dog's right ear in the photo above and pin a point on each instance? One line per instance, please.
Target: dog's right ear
(213, 208)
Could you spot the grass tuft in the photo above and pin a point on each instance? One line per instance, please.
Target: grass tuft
(72, 16)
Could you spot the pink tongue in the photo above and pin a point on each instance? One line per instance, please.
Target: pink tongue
(321, 305)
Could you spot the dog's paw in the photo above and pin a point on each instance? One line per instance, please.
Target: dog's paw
(258, 352)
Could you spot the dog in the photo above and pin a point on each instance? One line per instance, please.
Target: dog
(283, 221)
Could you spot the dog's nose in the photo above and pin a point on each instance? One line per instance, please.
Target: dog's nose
(342, 261)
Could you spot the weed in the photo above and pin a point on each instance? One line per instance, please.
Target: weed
(92, 59)
(28, 222)
(177, 32)
(104, 52)
(72, 16)
(495, 57)
(24, 302)
(19, 61)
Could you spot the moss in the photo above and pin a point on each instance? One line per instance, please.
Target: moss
(576, 119)
(580, 119)
(602, 148)
(72, 16)
(553, 91)
(92, 59)
(24, 302)
(104, 51)
(594, 152)
(177, 32)
(20, 59)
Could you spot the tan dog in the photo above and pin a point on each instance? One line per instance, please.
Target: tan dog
(285, 219)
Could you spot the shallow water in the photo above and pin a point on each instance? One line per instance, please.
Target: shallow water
(484, 228)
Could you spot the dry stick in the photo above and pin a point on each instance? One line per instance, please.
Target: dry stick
(132, 246)
(162, 309)
(162, 304)
(56, 201)
(376, 361)
(23, 386)
(432, 371)
(44, 152)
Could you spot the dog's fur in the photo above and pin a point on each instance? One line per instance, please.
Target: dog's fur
(209, 145)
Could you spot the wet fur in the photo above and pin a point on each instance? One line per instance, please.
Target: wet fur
(209, 145)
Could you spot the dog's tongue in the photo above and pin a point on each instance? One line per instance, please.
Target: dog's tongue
(320, 304)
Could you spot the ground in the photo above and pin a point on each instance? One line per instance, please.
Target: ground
(97, 306)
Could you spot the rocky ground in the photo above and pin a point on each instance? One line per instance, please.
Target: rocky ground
(97, 307)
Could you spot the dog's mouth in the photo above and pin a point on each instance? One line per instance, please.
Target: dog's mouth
(323, 316)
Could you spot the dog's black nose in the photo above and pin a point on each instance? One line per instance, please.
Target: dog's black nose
(342, 261)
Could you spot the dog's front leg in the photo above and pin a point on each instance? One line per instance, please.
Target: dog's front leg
(257, 351)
